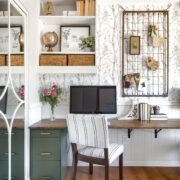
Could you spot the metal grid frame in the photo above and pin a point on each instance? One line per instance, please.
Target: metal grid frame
(135, 23)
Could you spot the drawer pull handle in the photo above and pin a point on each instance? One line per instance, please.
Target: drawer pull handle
(45, 154)
(7, 177)
(45, 133)
(45, 177)
(7, 133)
(12, 154)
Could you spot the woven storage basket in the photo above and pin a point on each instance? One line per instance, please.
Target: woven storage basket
(16, 60)
(2, 60)
(81, 60)
(53, 60)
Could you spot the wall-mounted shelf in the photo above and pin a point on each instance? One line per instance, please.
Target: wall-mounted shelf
(66, 69)
(157, 126)
(13, 53)
(55, 53)
(19, 20)
(68, 20)
(14, 69)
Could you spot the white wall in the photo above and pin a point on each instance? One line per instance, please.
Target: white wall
(142, 148)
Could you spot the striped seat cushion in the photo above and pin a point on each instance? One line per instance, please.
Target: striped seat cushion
(114, 151)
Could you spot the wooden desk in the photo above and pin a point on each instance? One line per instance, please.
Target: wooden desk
(136, 124)
(18, 124)
(116, 124)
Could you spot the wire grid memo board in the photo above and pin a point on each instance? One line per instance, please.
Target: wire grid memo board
(145, 53)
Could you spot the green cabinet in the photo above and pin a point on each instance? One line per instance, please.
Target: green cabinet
(17, 154)
(48, 154)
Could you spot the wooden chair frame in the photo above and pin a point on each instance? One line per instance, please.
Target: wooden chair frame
(93, 160)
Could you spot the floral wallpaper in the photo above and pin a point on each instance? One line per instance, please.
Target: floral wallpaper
(108, 57)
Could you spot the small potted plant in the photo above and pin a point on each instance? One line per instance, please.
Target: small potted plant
(87, 43)
(51, 96)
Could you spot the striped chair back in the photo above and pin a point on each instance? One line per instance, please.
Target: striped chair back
(88, 130)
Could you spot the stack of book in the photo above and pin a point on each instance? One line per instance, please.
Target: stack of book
(86, 7)
(158, 117)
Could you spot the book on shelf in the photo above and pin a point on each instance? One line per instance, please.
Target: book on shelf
(161, 115)
(158, 118)
(89, 7)
(80, 7)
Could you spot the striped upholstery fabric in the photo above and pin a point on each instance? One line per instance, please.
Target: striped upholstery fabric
(88, 130)
(114, 151)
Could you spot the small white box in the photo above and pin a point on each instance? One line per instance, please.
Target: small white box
(1, 13)
(6, 13)
(65, 13)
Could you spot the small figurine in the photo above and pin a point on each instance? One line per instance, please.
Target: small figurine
(49, 9)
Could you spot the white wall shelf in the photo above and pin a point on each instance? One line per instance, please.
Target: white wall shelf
(83, 53)
(14, 69)
(13, 53)
(66, 69)
(15, 20)
(68, 20)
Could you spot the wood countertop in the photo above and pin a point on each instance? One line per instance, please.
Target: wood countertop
(113, 124)
(18, 124)
(47, 124)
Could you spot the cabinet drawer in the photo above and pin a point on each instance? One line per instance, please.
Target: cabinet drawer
(45, 133)
(17, 170)
(53, 60)
(49, 170)
(81, 60)
(17, 145)
(46, 149)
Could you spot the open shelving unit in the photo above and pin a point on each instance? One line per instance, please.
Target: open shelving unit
(52, 23)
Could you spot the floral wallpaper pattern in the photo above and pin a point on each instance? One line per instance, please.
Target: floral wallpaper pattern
(108, 57)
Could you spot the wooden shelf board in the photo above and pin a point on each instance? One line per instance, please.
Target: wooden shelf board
(68, 20)
(136, 124)
(66, 69)
(115, 124)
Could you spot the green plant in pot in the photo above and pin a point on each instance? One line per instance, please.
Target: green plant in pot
(87, 43)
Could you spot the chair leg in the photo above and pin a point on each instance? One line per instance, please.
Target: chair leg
(74, 168)
(121, 167)
(90, 168)
(107, 172)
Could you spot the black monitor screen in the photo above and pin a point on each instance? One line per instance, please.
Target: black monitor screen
(93, 99)
(3, 101)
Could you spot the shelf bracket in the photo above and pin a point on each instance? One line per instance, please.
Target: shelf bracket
(156, 131)
(129, 133)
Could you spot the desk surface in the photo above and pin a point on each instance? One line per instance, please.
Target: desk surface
(18, 124)
(114, 124)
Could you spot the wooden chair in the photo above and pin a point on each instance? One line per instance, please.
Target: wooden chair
(89, 140)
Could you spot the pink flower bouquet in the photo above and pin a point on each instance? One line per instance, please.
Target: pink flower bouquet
(51, 95)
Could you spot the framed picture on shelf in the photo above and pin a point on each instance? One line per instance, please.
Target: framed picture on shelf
(70, 37)
(134, 45)
(14, 38)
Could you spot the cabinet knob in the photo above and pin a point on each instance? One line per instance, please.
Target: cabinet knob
(45, 154)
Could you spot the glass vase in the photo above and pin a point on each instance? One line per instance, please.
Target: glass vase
(52, 118)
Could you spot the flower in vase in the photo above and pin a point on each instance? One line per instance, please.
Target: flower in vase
(51, 95)
(20, 91)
